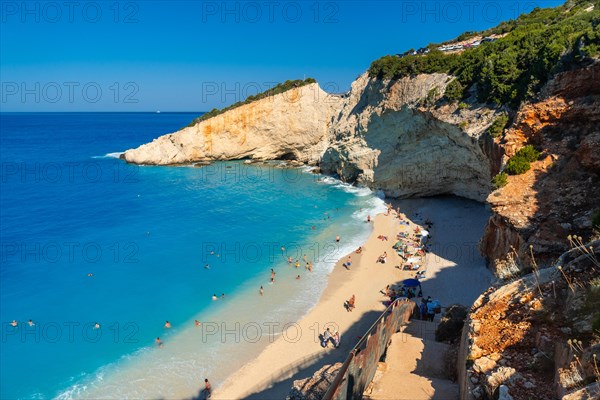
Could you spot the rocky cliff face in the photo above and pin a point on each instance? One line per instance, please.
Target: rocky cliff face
(291, 125)
(402, 138)
(395, 136)
(535, 336)
(557, 197)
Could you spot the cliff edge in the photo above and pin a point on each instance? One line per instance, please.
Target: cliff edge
(289, 125)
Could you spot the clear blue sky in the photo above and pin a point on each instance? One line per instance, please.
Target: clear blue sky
(192, 56)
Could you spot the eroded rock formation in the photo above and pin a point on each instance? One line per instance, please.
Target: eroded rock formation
(395, 136)
(292, 125)
(403, 138)
(558, 195)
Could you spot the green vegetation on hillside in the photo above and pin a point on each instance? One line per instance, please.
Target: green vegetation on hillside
(498, 125)
(529, 153)
(500, 180)
(521, 161)
(517, 166)
(513, 68)
(454, 90)
(279, 88)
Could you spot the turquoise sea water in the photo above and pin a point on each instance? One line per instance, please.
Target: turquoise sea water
(69, 209)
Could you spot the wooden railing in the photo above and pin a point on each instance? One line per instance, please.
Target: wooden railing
(359, 368)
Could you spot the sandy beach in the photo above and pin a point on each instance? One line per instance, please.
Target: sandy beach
(284, 358)
(270, 375)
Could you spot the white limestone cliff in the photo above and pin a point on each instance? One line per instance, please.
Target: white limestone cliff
(398, 136)
(290, 125)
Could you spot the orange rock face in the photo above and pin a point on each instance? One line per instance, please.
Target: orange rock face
(558, 195)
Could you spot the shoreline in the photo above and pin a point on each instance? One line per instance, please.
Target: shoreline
(455, 273)
(191, 353)
(282, 359)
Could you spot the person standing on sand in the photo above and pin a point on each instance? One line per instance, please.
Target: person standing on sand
(261, 291)
(336, 339)
(430, 311)
(207, 389)
(423, 309)
(326, 337)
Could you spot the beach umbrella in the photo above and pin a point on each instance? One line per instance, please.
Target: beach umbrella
(411, 283)
(398, 244)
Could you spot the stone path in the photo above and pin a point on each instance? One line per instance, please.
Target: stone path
(414, 367)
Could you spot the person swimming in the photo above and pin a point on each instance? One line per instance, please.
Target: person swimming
(158, 342)
(207, 266)
(214, 296)
(14, 323)
(298, 277)
(196, 322)
(31, 323)
(167, 325)
(337, 239)
(96, 326)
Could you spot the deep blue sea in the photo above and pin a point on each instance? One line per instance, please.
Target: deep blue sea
(86, 238)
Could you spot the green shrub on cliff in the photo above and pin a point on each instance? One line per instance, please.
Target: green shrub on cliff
(498, 125)
(455, 91)
(521, 161)
(529, 153)
(500, 180)
(279, 88)
(513, 68)
(517, 165)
